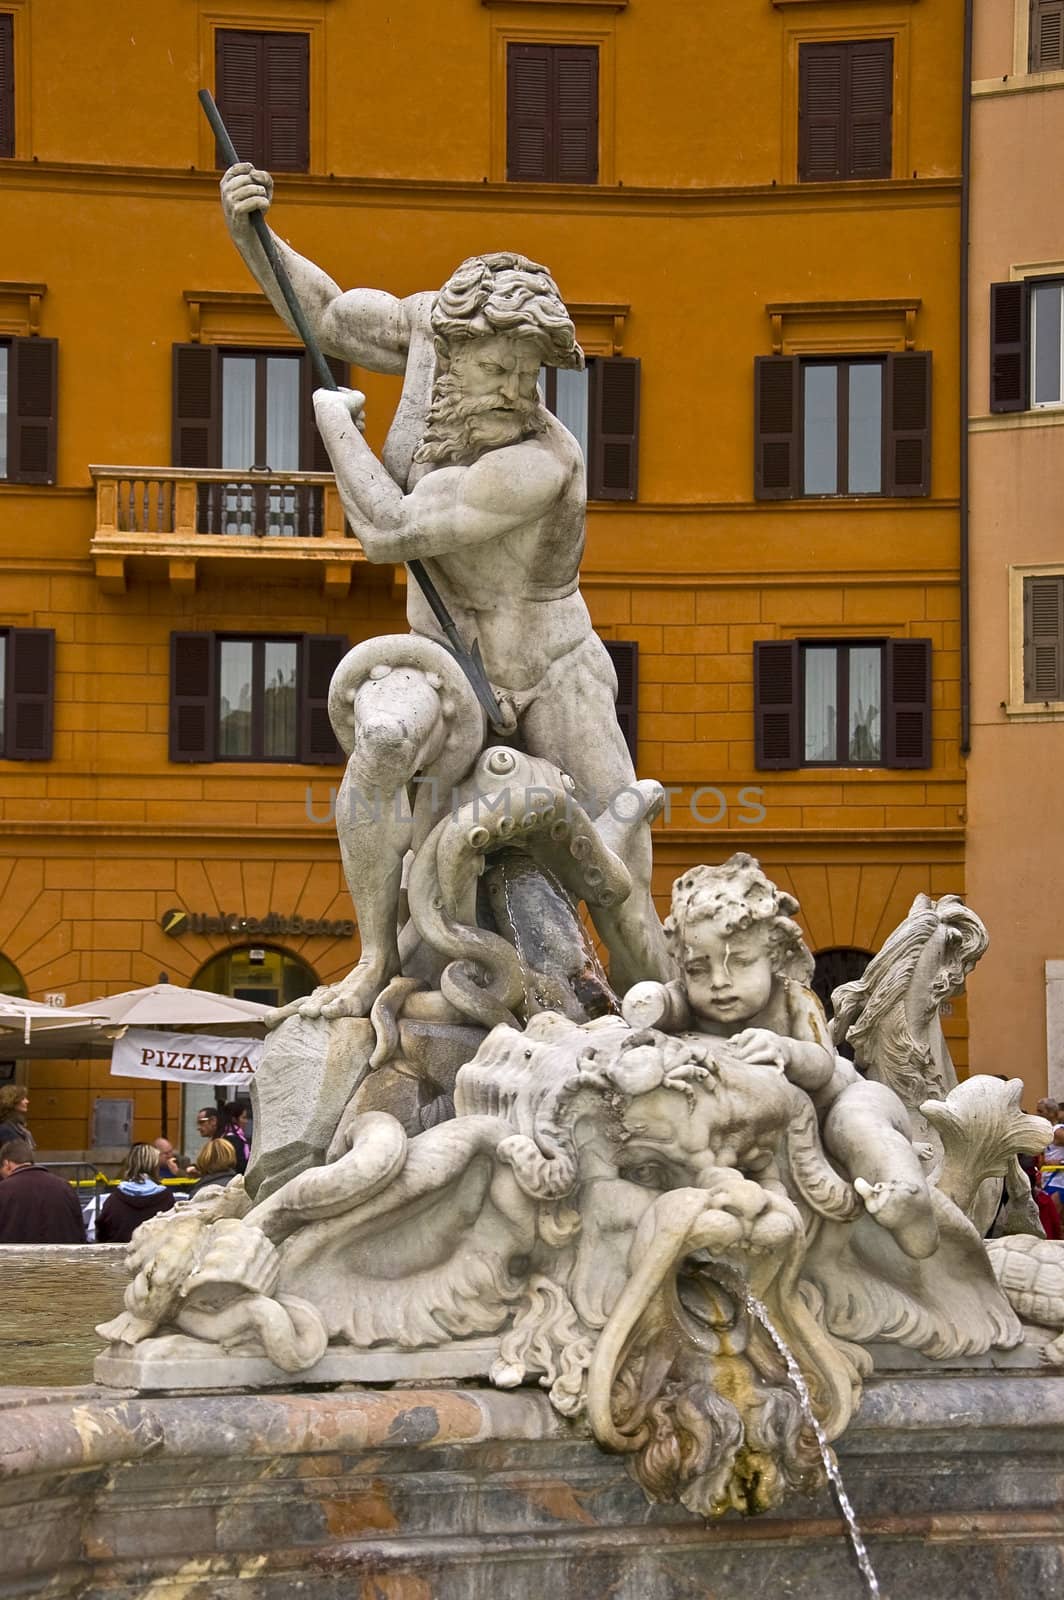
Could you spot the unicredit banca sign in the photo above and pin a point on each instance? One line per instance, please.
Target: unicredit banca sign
(178, 921)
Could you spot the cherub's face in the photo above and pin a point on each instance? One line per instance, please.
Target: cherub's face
(728, 979)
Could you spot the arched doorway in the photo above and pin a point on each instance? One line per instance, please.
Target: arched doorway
(13, 983)
(834, 967)
(11, 980)
(273, 977)
(259, 972)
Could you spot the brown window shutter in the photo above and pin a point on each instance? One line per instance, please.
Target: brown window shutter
(196, 406)
(529, 108)
(613, 407)
(7, 84)
(777, 702)
(777, 466)
(30, 694)
(193, 708)
(870, 109)
(313, 455)
(1047, 36)
(576, 114)
(624, 653)
(1009, 345)
(321, 654)
(908, 416)
(286, 102)
(907, 722)
(239, 91)
(33, 402)
(1043, 639)
(821, 112)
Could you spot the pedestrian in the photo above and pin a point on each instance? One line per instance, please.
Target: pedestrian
(36, 1207)
(210, 1123)
(216, 1165)
(171, 1165)
(139, 1196)
(236, 1121)
(14, 1109)
(1054, 1155)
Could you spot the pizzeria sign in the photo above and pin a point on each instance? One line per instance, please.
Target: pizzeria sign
(184, 1057)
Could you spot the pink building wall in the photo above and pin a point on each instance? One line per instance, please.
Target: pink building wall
(1015, 842)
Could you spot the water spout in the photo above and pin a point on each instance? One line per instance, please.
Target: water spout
(757, 1310)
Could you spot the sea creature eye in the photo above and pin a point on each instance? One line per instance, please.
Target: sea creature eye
(648, 1174)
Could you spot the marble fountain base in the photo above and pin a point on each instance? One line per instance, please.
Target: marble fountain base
(465, 1493)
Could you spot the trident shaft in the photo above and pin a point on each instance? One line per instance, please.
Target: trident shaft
(468, 659)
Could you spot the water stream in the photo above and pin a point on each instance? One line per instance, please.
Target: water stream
(794, 1372)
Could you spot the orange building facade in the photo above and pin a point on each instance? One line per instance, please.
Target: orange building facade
(1016, 767)
(771, 231)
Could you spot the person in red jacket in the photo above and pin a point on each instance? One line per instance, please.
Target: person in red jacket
(139, 1196)
(36, 1207)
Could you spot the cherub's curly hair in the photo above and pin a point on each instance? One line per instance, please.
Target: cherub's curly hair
(733, 897)
(507, 293)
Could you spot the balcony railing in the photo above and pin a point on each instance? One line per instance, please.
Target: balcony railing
(261, 505)
(184, 518)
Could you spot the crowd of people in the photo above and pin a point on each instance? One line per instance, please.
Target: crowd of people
(37, 1207)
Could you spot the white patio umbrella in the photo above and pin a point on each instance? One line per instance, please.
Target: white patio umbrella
(167, 1005)
(32, 1030)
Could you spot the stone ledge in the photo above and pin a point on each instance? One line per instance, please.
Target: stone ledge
(92, 1426)
(178, 1365)
(446, 1494)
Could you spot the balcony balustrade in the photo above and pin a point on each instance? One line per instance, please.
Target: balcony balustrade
(177, 518)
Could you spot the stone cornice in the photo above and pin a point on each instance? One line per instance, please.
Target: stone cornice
(424, 194)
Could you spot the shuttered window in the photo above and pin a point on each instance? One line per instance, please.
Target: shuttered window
(251, 409)
(1043, 639)
(262, 86)
(7, 84)
(600, 407)
(1047, 36)
(845, 703)
(27, 693)
(253, 698)
(850, 427)
(1008, 347)
(845, 110)
(222, 398)
(624, 653)
(1027, 344)
(613, 468)
(552, 113)
(28, 410)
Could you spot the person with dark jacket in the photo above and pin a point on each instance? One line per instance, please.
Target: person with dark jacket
(14, 1109)
(139, 1196)
(36, 1207)
(236, 1121)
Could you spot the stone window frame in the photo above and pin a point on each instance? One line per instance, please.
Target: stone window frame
(895, 28)
(1020, 80)
(252, 20)
(1017, 709)
(19, 12)
(598, 32)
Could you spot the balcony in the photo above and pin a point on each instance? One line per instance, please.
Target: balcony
(155, 521)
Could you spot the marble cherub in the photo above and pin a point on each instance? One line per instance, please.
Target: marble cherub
(744, 976)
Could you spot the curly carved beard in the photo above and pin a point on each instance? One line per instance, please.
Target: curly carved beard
(461, 428)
